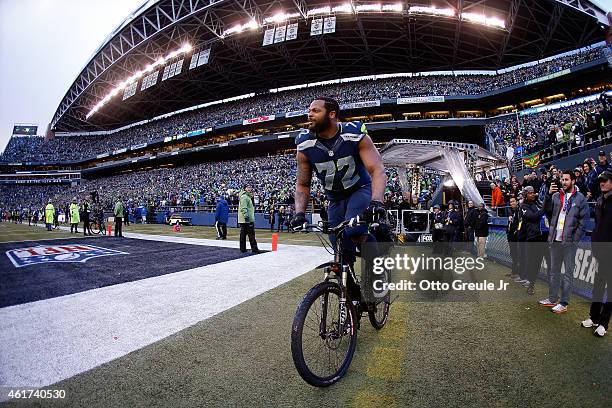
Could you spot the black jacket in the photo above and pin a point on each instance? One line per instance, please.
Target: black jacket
(531, 214)
(603, 219)
(470, 217)
(453, 221)
(481, 226)
(603, 227)
(513, 223)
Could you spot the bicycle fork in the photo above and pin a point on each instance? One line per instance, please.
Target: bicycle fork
(342, 309)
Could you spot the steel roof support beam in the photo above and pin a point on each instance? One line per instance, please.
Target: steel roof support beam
(138, 31)
(588, 8)
(510, 21)
(457, 33)
(551, 28)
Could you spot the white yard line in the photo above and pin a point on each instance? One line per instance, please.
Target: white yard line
(46, 341)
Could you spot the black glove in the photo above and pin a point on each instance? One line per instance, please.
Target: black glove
(375, 212)
(298, 220)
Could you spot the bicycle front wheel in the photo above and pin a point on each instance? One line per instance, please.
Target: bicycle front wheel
(378, 310)
(94, 228)
(323, 336)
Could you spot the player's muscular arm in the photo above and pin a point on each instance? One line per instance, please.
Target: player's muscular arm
(374, 164)
(302, 187)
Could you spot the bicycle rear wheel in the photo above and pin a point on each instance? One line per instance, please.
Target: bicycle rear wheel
(321, 347)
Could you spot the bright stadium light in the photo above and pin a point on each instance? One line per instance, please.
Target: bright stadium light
(159, 62)
(399, 7)
(253, 25)
(496, 22)
(137, 75)
(318, 11)
(344, 8)
(474, 17)
(448, 12)
(280, 17)
(483, 19)
(238, 28)
(369, 7)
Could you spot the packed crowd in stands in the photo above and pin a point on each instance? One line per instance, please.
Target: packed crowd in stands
(273, 180)
(67, 148)
(571, 126)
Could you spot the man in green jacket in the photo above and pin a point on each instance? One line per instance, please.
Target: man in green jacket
(119, 209)
(49, 214)
(75, 217)
(246, 219)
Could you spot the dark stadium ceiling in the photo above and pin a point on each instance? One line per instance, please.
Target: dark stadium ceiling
(364, 43)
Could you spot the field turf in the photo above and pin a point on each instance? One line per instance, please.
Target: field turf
(430, 354)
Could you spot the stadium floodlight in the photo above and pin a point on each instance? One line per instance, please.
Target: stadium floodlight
(448, 12)
(318, 11)
(238, 28)
(484, 20)
(495, 22)
(253, 25)
(399, 7)
(137, 75)
(474, 17)
(369, 7)
(277, 18)
(344, 8)
(160, 61)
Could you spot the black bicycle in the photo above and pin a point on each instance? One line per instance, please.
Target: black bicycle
(324, 331)
(97, 227)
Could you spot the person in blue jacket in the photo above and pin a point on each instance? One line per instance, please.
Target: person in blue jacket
(221, 217)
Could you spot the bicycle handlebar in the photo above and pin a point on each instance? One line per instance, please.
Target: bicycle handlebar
(326, 229)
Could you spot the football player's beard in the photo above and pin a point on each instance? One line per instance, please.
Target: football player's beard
(319, 127)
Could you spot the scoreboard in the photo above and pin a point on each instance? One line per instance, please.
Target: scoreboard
(25, 130)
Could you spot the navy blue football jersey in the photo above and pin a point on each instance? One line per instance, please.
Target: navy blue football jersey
(336, 161)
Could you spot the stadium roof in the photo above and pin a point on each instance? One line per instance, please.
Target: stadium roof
(369, 38)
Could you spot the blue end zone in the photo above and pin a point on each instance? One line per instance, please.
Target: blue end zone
(38, 270)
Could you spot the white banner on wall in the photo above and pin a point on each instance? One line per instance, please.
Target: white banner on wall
(330, 25)
(268, 37)
(292, 31)
(364, 104)
(419, 99)
(279, 34)
(316, 26)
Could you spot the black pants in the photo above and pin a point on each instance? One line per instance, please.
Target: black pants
(118, 227)
(514, 254)
(281, 221)
(437, 236)
(469, 232)
(533, 253)
(127, 221)
(86, 227)
(600, 312)
(248, 228)
(221, 229)
(74, 226)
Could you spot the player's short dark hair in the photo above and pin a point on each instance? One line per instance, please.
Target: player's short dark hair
(570, 173)
(330, 104)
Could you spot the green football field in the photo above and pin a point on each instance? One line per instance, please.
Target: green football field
(430, 354)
